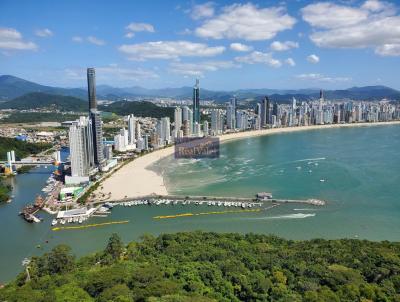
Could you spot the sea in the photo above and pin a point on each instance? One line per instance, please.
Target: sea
(355, 170)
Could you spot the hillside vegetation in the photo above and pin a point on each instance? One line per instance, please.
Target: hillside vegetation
(39, 100)
(199, 266)
(22, 149)
(144, 109)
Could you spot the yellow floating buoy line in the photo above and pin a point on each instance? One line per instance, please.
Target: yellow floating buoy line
(88, 225)
(207, 213)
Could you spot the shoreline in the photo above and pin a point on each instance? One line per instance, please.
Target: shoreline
(136, 179)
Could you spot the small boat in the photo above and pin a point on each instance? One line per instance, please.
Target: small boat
(62, 221)
(80, 220)
(322, 180)
(54, 222)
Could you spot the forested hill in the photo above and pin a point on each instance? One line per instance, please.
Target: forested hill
(201, 266)
(22, 149)
(139, 109)
(36, 100)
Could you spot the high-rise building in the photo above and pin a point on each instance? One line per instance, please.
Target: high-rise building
(205, 128)
(216, 122)
(91, 81)
(131, 129)
(81, 147)
(230, 117)
(265, 112)
(196, 102)
(163, 130)
(138, 130)
(186, 131)
(178, 118)
(185, 113)
(95, 117)
(233, 102)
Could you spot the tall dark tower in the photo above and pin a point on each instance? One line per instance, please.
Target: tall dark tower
(196, 102)
(95, 118)
(265, 112)
(91, 80)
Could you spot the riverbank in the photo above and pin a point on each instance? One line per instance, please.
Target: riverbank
(136, 179)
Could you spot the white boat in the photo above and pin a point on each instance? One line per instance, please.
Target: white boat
(322, 180)
(80, 220)
(54, 222)
(62, 221)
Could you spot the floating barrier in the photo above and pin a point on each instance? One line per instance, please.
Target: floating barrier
(88, 225)
(206, 213)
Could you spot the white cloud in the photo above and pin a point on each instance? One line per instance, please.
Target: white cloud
(246, 21)
(129, 35)
(95, 41)
(240, 47)
(45, 32)
(169, 50)
(317, 77)
(313, 59)
(200, 11)
(198, 69)
(137, 27)
(259, 57)
(11, 39)
(112, 72)
(282, 46)
(373, 24)
(77, 39)
(388, 50)
(290, 62)
(330, 15)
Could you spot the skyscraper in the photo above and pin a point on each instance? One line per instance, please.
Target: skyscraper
(91, 80)
(230, 117)
(95, 117)
(216, 122)
(131, 129)
(265, 112)
(81, 147)
(196, 102)
(178, 118)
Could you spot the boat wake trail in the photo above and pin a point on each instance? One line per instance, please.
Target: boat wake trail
(310, 159)
(289, 216)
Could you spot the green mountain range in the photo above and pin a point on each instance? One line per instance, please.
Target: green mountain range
(12, 87)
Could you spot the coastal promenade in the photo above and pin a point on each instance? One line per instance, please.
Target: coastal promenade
(136, 179)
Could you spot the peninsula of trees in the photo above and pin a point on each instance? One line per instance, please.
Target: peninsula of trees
(198, 266)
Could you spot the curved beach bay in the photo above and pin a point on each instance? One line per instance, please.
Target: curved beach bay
(359, 167)
(359, 163)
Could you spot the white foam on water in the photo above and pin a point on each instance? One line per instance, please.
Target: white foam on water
(310, 209)
(310, 159)
(289, 216)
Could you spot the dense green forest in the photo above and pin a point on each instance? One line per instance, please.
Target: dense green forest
(22, 149)
(199, 266)
(37, 117)
(35, 100)
(139, 109)
(4, 192)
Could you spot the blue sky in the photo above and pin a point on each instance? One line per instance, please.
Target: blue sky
(227, 44)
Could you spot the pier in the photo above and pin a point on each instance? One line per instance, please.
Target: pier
(209, 200)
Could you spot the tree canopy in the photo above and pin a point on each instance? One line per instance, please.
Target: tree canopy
(199, 266)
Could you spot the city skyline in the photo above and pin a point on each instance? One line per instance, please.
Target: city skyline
(257, 45)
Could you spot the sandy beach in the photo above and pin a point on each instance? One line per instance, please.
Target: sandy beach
(135, 179)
